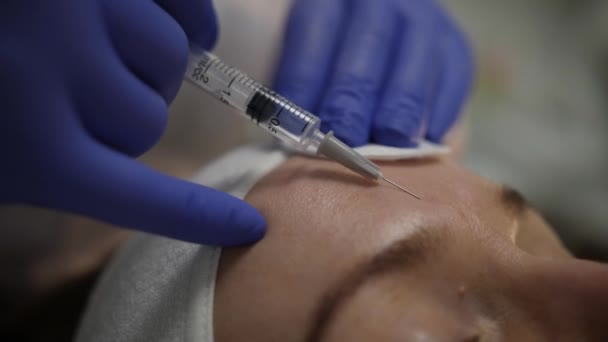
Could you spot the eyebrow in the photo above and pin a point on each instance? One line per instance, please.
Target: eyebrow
(404, 253)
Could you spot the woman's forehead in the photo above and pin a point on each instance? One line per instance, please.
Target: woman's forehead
(328, 193)
(324, 207)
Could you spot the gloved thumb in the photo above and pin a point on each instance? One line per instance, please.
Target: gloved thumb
(112, 187)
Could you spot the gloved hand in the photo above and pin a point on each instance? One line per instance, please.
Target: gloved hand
(85, 86)
(387, 71)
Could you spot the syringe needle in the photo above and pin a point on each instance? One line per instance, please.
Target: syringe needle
(399, 187)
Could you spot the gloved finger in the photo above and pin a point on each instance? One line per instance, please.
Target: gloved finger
(311, 36)
(401, 112)
(455, 83)
(359, 72)
(117, 189)
(196, 17)
(118, 109)
(150, 42)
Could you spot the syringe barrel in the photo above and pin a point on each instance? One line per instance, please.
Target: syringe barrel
(262, 106)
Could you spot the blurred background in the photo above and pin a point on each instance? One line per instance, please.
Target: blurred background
(537, 120)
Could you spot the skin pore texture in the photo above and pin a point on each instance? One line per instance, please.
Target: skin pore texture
(346, 259)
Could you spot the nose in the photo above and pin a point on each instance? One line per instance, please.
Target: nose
(571, 296)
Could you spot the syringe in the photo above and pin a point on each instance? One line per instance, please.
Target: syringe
(274, 113)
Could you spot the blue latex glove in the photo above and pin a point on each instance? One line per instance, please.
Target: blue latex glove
(386, 71)
(85, 86)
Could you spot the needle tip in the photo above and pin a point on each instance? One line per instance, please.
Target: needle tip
(401, 188)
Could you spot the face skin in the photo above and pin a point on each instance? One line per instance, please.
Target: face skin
(346, 259)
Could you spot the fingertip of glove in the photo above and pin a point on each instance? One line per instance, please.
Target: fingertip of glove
(346, 134)
(251, 226)
(435, 135)
(392, 136)
(215, 218)
(247, 225)
(350, 127)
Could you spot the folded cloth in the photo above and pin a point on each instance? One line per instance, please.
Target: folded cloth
(158, 289)
(381, 152)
